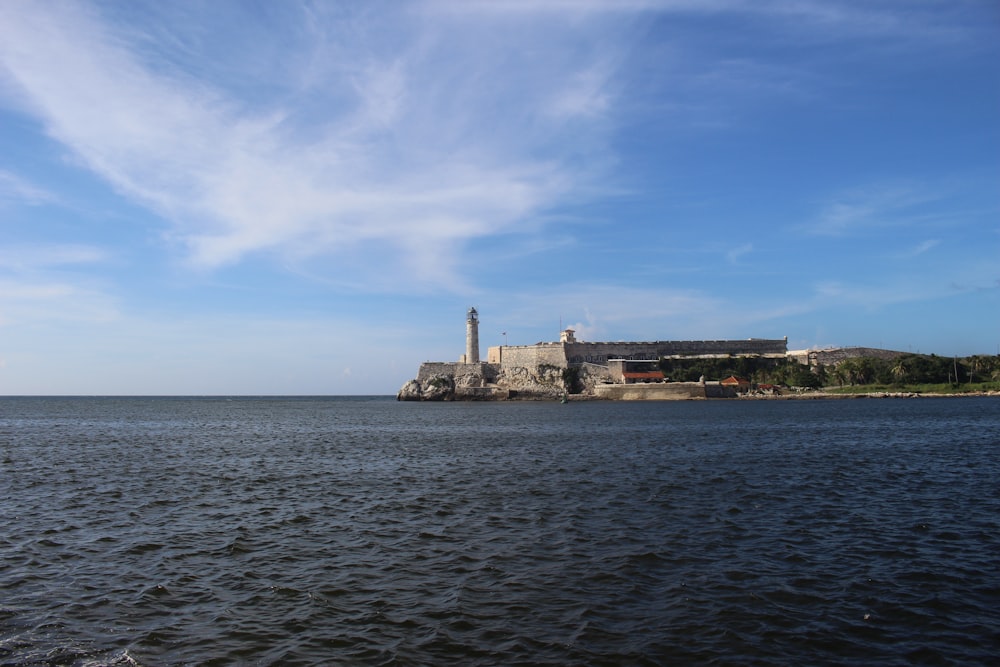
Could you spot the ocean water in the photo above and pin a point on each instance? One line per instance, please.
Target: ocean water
(362, 531)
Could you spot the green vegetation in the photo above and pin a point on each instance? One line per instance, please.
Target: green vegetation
(939, 374)
(915, 373)
(939, 388)
(759, 370)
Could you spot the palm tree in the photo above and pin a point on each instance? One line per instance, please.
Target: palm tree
(866, 370)
(844, 372)
(899, 370)
(977, 364)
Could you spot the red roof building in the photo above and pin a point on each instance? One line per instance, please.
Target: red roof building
(740, 384)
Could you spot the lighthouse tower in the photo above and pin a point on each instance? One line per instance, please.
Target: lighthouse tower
(472, 337)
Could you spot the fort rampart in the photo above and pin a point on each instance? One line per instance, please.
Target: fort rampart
(572, 353)
(529, 356)
(599, 353)
(540, 370)
(834, 356)
(464, 374)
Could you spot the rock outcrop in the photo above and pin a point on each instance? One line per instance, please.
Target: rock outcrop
(482, 382)
(411, 391)
(545, 382)
(437, 388)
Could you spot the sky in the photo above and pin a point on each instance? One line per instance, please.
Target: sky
(306, 197)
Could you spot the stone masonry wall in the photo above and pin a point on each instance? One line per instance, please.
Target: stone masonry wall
(529, 356)
(675, 391)
(563, 354)
(468, 375)
(835, 356)
(430, 369)
(599, 353)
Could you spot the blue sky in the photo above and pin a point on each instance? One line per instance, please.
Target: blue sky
(305, 198)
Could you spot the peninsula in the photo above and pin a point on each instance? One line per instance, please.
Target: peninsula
(553, 370)
(691, 369)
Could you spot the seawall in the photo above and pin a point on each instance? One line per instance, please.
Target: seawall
(668, 391)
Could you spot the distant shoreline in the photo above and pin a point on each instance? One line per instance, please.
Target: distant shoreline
(883, 394)
(790, 396)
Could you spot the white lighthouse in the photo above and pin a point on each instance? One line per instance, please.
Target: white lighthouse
(472, 337)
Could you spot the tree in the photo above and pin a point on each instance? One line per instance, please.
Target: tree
(849, 369)
(841, 373)
(980, 365)
(899, 370)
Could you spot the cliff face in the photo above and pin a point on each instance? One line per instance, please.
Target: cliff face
(493, 382)
(445, 388)
(483, 382)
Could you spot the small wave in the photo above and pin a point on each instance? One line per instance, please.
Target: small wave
(144, 548)
(375, 533)
(117, 659)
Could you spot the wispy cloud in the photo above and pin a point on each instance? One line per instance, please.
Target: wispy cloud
(43, 283)
(916, 286)
(831, 20)
(13, 188)
(921, 248)
(735, 254)
(607, 312)
(32, 301)
(868, 208)
(406, 134)
(834, 294)
(412, 153)
(32, 258)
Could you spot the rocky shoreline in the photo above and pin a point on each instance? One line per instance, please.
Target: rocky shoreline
(446, 388)
(537, 377)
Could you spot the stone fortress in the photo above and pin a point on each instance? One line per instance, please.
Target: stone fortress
(543, 370)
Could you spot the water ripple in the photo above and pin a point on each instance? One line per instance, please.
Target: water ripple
(318, 531)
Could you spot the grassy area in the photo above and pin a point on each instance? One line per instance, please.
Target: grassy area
(940, 388)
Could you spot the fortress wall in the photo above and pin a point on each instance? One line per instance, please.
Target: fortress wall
(593, 374)
(561, 355)
(530, 356)
(835, 356)
(673, 391)
(801, 356)
(468, 375)
(430, 369)
(475, 375)
(599, 353)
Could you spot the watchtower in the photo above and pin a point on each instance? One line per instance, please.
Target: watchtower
(472, 337)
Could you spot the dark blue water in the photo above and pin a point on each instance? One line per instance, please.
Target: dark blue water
(208, 531)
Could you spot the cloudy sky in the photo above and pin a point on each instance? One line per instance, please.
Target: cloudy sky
(306, 197)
